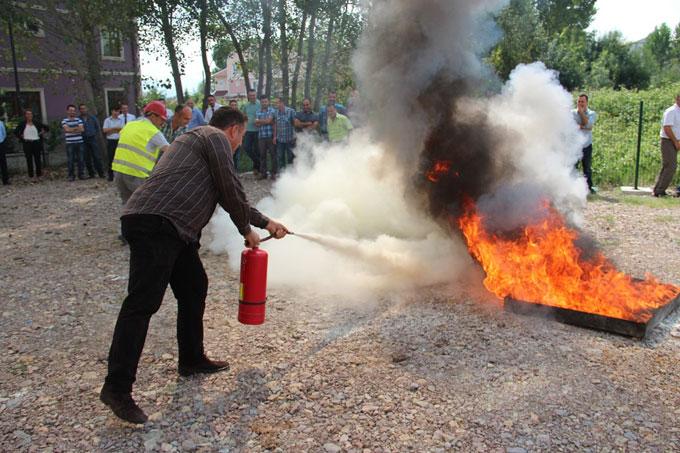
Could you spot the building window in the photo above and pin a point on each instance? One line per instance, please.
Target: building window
(33, 27)
(112, 45)
(114, 97)
(29, 98)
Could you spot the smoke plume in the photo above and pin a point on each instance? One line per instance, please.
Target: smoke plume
(376, 213)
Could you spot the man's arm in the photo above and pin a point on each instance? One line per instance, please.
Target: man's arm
(230, 194)
(669, 132)
(299, 124)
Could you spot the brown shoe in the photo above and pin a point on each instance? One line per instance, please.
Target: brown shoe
(123, 406)
(205, 366)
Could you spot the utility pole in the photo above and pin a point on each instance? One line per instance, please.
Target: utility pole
(17, 98)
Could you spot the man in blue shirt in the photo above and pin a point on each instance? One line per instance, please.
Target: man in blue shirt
(284, 132)
(91, 142)
(323, 113)
(3, 149)
(264, 122)
(197, 118)
(585, 118)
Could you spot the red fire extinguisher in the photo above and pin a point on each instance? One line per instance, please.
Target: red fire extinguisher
(253, 288)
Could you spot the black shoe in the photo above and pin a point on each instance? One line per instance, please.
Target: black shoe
(122, 239)
(205, 366)
(123, 406)
(71, 178)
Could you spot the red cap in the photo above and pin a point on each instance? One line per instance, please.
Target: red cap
(158, 108)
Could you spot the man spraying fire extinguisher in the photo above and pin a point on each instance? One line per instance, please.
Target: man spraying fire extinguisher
(162, 222)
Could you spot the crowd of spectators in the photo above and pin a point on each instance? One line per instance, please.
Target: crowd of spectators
(269, 143)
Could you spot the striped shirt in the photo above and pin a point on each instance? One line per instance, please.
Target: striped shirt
(190, 180)
(266, 130)
(284, 125)
(72, 137)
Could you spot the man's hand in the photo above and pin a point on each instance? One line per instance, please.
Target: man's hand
(276, 229)
(252, 239)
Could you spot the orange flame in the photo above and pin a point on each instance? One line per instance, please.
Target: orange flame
(440, 168)
(544, 266)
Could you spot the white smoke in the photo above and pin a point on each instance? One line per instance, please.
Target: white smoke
(544, 144)
(372, 240)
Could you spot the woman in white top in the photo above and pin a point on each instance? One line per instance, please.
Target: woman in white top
(30, 133)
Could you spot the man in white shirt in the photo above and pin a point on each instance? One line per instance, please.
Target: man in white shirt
(670, 145)
(112, 126)
(127, 117)
(212, 107)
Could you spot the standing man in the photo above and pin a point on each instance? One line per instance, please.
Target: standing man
(323, 113)
(3, 149)
(585, 118)
(112, 127)
(670, 145)
(30, 133)
(196, 115)
(264, 122)
(127, 117)
(73, 128)
(284, 133)
(163, 222)
(168, 112)
(177, 125)
(338, 126)
(139, 146)
(212, 106)
(250, 142)
(91, 142)
(306, 120)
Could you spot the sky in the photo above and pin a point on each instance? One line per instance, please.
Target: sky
(635, 19)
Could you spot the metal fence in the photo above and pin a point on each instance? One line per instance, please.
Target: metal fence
(626, 144)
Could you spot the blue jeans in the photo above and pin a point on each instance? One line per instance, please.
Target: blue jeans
(285, 154)
(251, 149)
(75, 153)
(91, 154)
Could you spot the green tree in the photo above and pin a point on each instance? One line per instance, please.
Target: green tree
(524, 40)
(558, 15)
(659, 44)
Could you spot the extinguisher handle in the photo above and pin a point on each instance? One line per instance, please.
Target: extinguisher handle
(261, 240)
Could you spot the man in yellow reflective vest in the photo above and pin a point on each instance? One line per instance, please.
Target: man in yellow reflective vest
(139, 147)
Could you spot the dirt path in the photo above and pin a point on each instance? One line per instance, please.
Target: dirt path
(440, 370)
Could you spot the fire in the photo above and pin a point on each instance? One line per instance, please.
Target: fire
(440, 168)
(543, 265)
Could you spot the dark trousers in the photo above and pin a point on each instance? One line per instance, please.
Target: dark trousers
(587, 163)
(251, 149)
(74, 155)
(669, 163)
(33, 151)
(111, 146)
(3, 164)
(285, 153)
(91, 150)
(157, 257)
(267, 147)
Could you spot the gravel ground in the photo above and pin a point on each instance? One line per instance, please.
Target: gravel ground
(441, 370)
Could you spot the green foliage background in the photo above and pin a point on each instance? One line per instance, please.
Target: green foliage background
(616, 131)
